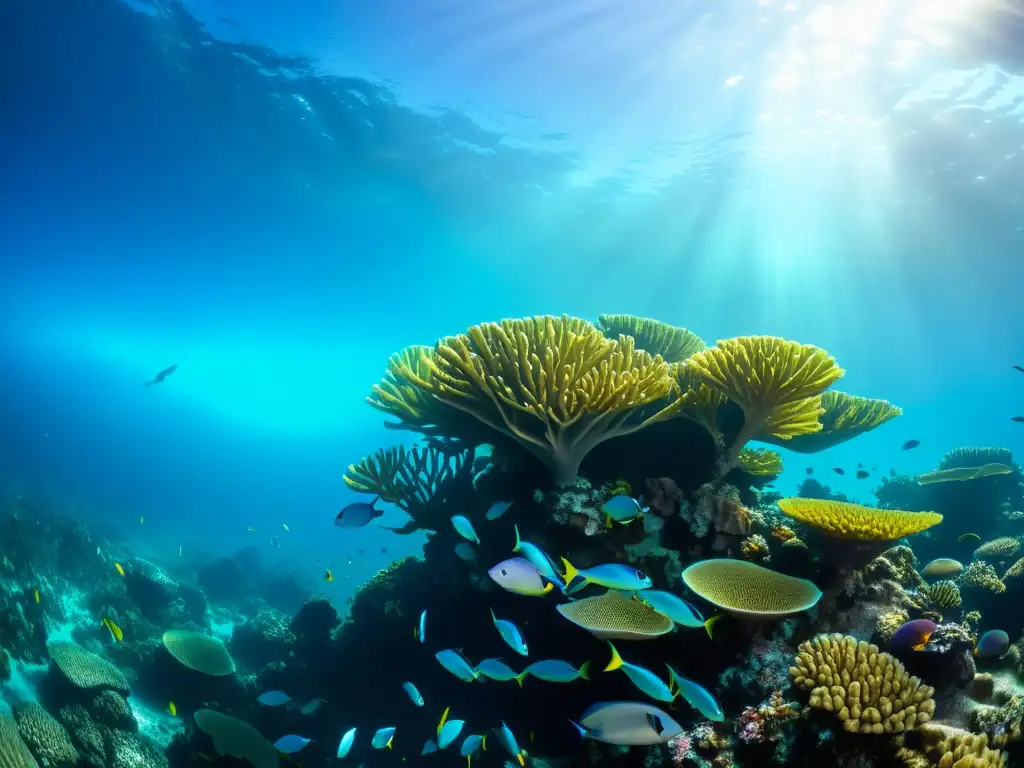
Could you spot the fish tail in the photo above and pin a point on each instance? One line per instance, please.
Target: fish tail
(584, 734)
(518, 542)
(584, 670)
(607, 521)
(616, 661)
(570, 572)
(493, 617)
(522, 760)
(483, 743)
(710, 623)
(388, 745)
(520, 677)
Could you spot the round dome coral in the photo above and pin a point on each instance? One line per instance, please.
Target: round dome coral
(852, 521)
(750, 591)
(199, 652)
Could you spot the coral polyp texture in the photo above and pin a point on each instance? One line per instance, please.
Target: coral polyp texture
(844, 417)
(199, 652)
(611, 616)
(13, 752)
(674, 344)
(748, 590)
(760, 461)
(86, 670)
(953, 748)
(867, 690)
(1003, 548)
(555, 385)
(843, 520)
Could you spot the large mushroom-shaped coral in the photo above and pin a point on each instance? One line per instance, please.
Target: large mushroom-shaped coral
(867, 690)
(777, 384)
(199, 652)
(46, 737)
(236, 738)
(672, 343)
(749, 590)
(760, 461)
(845, 417)
(842, 520)
(555, 385)
(13, 752)
(86, 670)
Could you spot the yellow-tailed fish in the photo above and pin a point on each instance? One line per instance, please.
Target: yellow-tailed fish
(173, 709)
(35, 594)
(115, 631)
(966, 536)
(119, 568)
(519, 576)
(328, 576)
(677, 609)
(641, 677)
(508, 741)
(610, 575)
(443, 720)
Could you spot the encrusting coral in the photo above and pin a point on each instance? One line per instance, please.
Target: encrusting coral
(851, 521)
(844, 417)
(555, 385)
(672, 343)
(981, 575)
(953, 748)
(868, 691)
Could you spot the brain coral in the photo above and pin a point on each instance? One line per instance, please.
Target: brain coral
(868, 691)
(13, 752)
(45, 736)
(749, 590)
(236, 738)
(199, 652)
(852, 521)
(1002, 548)
(86, 670)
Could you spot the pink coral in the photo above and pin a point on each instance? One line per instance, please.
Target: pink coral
(679, 748)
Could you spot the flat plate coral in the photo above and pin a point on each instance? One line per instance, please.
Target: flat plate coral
(749, 590)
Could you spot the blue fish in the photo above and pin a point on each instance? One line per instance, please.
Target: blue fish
(449, 732)
(508, 741)
(358, 514)
(677, 609)
(291, 744)
(414, 694)
(697, 696)
(995, 642)
(465, 529)
(519, 576)
(274, 698)
(510, 634)
(540, 560)
(470, 745)
(627, 723)
(641, 677)
(464, 550)
(496, 669)
(555, 671)
(420, 632)
(622, 509)
(345, 746)
(625, 578)
(498, 509)
(429, 747)
(457, 664)
(383, 737)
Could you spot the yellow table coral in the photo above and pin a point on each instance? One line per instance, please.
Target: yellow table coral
(674, 344)
(844, 417)
(867, 690)
(852, 521)
(555, 385)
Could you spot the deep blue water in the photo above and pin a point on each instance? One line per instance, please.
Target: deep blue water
(277, 196)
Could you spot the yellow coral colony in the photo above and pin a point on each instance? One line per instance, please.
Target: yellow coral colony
(852, 521)
(867, 690)
(672, 343)
(845, 417)
(760, 461)
(556, 385)
(777, 383)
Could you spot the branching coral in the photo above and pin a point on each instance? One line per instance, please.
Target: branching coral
(1002, 548)
(777, 384)
(981, 575)
(845, 417)
(953, 748)
(852, 521)
(760, 461)
(411, 479)
(555, 385)
(867, 690)
(672, 343)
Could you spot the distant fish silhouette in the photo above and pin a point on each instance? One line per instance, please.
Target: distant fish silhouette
(1018, 368)
(861, 474)
(839, 470)
(810, 470)
(911, 444)
(162, 375)
(1018, 419)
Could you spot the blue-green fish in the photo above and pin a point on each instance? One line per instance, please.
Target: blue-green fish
(345, 745)
(414, 694)
(429, 747)
(540, 560)
(622, 509)
(457, 664)
(449, 732)
(677, 609)
(555, 671)
(625, 578)
(498, 509)
(697, 696)
(511, 635)
(465, 529)
(641, 677)
(508, 741)
(383, 738)
(496, 669)
(472, 743)
(464, 551)
(420, 632)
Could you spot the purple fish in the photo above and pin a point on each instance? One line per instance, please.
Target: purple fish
(519, 575)
(914, 634)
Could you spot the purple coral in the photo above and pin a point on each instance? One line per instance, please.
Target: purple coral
(679, 748)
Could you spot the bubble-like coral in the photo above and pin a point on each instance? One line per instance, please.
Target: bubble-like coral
(982, 576)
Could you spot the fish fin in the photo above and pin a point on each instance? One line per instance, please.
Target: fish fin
(388, 745)
(416, 632)
(483, 743)
(547, 588)
(583, 732)
(584, 670)
(919, 646)
(444, 717)
(710, 623)
(518, 542)
(607, 521)
(570, 572)
(616, 661)
(493, 617)
(522, 761)
(519, 678)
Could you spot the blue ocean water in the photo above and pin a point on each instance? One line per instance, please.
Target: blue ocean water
(275, 197)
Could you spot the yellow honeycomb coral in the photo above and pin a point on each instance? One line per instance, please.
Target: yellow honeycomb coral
(760, 461)
(672, 343)
(777, 383)
(555, 385)
(851, 521)
(845, 417)
(749, 590)
(868, 691)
